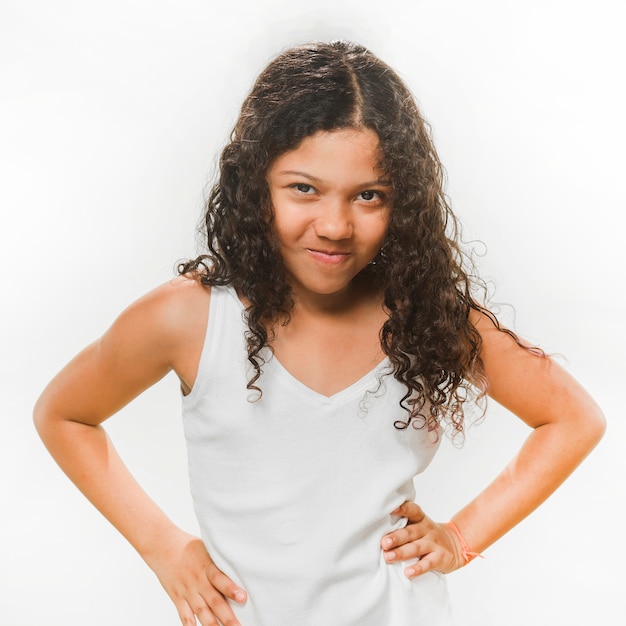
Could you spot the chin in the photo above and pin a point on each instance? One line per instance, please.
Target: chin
(323, 289)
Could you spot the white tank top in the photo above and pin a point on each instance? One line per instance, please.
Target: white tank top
(293, 491)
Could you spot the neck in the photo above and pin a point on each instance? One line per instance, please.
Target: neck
(359, 292)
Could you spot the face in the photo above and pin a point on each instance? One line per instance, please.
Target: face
(331, 209)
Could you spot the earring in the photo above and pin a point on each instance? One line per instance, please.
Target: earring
(379, 258)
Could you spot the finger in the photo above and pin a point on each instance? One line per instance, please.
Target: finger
(411, 532)
(411, 550)
(226, 586)
(396, 538)
(187, 615)
(205, 615)
(411, 511)
(213, 606)
(425, 564)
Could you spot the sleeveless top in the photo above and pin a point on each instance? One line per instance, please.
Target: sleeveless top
(293, 491)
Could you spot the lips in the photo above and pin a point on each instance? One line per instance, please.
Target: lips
(330, 257)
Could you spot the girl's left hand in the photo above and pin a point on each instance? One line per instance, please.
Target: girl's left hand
(435, 545)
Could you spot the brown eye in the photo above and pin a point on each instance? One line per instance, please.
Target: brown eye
(303, 188)
(370, 195)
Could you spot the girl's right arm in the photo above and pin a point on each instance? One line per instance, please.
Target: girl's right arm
(162, 331)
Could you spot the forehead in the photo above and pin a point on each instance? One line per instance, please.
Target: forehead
(330, 154)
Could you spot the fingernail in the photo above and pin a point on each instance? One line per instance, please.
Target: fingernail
(390, 556)
(387, 542)
(240, 596)
(409, 571)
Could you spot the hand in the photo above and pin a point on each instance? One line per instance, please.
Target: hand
(435, 545)
(193, 582)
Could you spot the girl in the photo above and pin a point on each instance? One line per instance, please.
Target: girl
(324, 342)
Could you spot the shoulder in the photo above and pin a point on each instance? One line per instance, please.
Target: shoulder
(161, 331)
(169, 315)
(528, 382)
(174, 302)
(154, 335)
(505, 356)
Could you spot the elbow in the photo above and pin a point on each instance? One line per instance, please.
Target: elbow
(590, 428)
(41, 416)
(588, 421)
(597, 427)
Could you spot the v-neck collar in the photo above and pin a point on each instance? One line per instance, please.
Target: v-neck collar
(343, 395)
(295, 384)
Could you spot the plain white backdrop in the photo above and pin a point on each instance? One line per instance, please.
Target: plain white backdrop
(111, 118)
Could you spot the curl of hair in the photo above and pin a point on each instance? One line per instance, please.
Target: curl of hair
(426, 276)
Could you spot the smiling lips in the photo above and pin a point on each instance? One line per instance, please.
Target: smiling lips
(328, 256)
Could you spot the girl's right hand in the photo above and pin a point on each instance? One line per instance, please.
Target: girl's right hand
(194, 583)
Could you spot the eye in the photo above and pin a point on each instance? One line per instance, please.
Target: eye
(370, 195)
(303, 188)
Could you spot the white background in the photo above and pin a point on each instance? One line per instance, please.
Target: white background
(111, 118)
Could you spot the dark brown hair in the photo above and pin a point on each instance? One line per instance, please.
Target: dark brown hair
(428, 290)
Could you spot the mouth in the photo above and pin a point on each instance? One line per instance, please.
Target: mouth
(332, 257)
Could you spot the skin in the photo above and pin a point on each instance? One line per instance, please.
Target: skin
(331, 210)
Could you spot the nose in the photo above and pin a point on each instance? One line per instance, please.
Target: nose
(334, 220)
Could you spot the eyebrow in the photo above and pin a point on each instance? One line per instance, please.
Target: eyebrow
(381, 182)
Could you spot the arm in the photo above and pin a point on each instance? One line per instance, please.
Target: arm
(566, 424)
(152, 337)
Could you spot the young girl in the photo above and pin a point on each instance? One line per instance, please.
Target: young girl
(324, 342)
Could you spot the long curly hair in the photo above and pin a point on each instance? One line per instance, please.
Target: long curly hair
(428, 289)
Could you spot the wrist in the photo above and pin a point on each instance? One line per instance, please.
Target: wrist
(162, 543)
(464, 551)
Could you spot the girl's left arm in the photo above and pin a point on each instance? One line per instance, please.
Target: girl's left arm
(566, 423)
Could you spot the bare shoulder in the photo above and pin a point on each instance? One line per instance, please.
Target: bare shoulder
(173, 297)
(530, 384)
(510, 368)
(170, 321)
(173, 308)
(160, 332)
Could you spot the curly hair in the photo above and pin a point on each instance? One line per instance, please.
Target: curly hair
(428, 289)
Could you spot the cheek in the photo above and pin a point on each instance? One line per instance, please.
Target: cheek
(379, 230)
(274, 215)
(286, 229)
(290, 222)
(280, 218)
